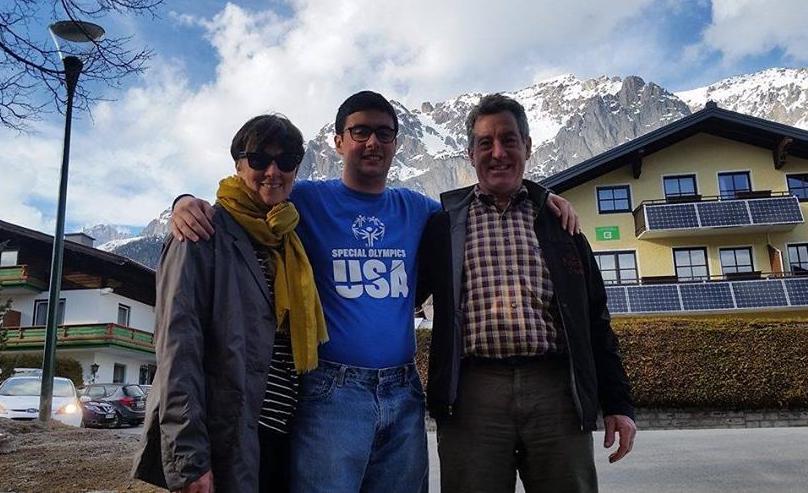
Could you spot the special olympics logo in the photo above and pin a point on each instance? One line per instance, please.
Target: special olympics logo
(368, 229)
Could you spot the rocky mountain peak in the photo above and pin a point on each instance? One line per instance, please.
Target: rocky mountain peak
(159, 226)
(570, 119)
(779, 94)
(103, 233)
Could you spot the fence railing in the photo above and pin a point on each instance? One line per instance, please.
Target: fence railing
(81, 335)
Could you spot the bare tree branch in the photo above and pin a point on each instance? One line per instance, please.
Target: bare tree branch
(31, 75)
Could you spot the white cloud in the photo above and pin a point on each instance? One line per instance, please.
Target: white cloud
(742, 28)
(29, 171)
(164, 137)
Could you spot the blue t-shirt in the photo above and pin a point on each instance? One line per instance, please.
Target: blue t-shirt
(362, 248)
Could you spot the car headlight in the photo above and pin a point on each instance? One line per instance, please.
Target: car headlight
(68, 409)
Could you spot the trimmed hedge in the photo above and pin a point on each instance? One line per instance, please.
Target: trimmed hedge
(708, 363)
(715, 363)
(65, 367)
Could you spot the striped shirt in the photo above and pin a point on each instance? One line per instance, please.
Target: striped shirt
(280, 396)
(507, 304)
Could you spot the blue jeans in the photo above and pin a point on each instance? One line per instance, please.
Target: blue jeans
(359, 430)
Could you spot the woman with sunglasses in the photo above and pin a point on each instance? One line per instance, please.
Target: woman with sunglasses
(238, 318)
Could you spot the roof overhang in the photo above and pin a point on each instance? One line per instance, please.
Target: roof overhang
(711, 120)
(84, 267)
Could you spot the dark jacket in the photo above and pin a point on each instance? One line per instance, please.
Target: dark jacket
(213, 337)
(598, 377)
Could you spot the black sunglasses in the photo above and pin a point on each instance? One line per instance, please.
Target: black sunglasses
(259, 161)
(362, 133)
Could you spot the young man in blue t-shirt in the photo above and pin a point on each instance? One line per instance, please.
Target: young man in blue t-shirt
(359, 425)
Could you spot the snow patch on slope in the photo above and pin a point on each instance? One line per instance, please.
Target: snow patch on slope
(779, 94)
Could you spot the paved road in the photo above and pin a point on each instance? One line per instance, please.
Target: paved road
(693, 461)
(699, 461)
(134, 430)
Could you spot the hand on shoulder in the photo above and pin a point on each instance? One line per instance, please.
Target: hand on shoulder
(192, 218)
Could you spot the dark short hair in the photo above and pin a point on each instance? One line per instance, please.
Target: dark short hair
(492, 104)
(364, 101)
(264, 130)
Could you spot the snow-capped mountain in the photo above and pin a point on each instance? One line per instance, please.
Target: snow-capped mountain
(104, 233)
(571, 120)
(779, 94)
(143, 248)
(159, 226)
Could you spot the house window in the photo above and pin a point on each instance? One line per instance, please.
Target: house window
(41, 312)
(680, 186)
(617, 267)
(8, 258)
(691, 263)
(798, 186)
(614, 199)
(729, 184)
(123, 315)
(734, 260)
(146, 376)
(118, 373)
(798, 258)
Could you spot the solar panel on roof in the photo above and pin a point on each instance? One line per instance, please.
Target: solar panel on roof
(728, 213)
(663, 298)
(679, 216)
(776, 210)
(754, 294)
(797, 289)
(706, 296)
(616, 300)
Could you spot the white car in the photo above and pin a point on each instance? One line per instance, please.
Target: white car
(19, 399)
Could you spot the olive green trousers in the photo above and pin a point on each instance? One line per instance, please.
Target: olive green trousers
(514, 418)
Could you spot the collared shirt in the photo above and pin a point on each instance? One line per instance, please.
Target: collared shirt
(507, 304)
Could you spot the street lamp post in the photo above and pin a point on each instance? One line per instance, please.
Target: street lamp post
(76, 32)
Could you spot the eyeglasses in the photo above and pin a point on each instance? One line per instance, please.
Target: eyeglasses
(259, 161)
(361, 133)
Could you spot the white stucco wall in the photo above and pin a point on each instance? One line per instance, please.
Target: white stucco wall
(106, 360)
(106, 363)
(89, 306)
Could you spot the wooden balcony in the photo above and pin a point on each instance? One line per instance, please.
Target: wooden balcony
(15, 279)
(81, 336)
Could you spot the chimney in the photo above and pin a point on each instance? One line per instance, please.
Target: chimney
(81, 239)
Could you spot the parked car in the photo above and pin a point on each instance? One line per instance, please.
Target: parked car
(128, 400)
(19, 399)
(146, 389)
(97, 414)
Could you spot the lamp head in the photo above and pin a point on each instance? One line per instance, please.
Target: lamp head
(77, 31)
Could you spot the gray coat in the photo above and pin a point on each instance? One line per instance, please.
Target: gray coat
(213, 338)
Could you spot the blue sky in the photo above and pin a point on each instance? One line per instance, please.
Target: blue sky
(219, 63)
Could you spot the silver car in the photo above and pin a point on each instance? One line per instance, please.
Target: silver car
(19, 399)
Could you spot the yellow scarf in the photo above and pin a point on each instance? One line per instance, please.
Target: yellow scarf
(295, 293)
